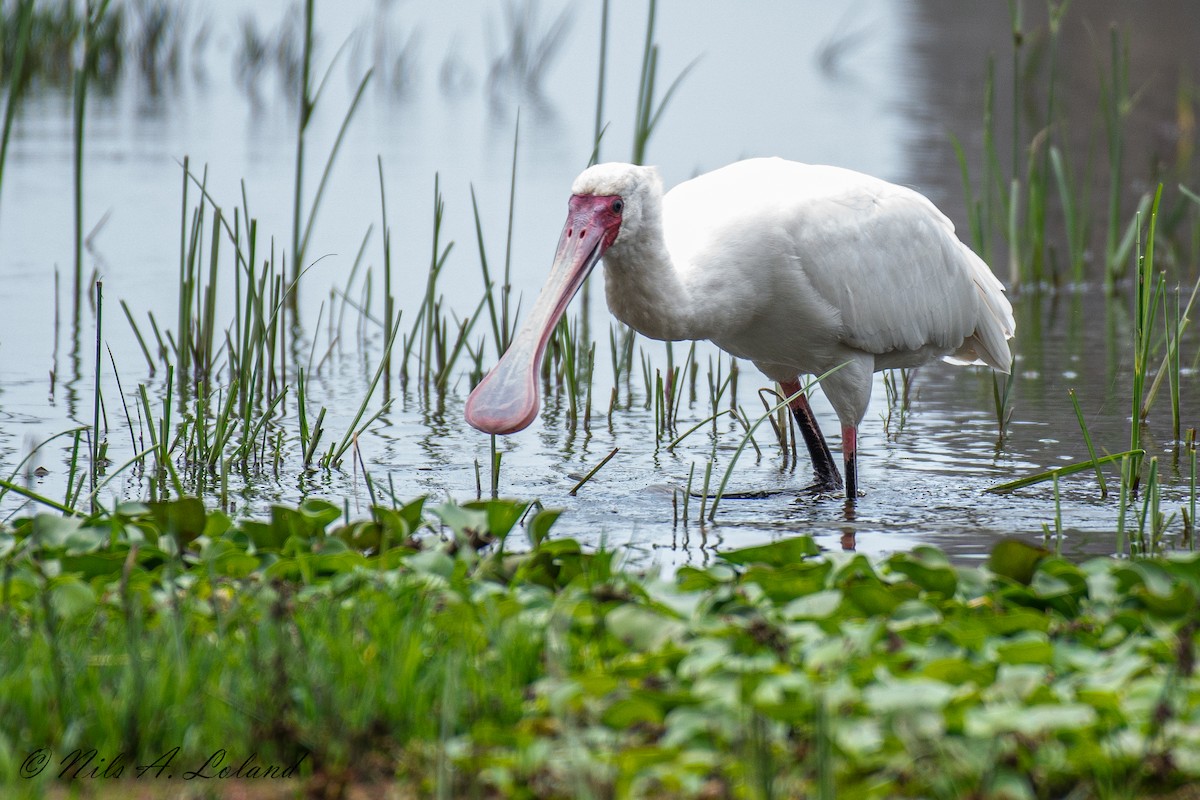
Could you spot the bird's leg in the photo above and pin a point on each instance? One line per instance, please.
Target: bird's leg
(824, 470)
(850, 454)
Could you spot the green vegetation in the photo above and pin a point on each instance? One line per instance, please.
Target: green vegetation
(414, 648)
(1045, 207)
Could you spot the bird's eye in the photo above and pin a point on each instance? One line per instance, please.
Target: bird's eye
(618, 206)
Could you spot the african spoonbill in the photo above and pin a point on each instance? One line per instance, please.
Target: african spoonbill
(795, 267)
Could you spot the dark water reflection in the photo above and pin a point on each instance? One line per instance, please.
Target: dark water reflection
(948, 47)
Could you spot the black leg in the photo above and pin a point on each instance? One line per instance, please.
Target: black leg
(826, 477)
(850, 453)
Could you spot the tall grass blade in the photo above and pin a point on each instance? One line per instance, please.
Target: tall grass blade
(1070, 469)
(97, 450)
(1087, 439)
(17, 79)
(94, 15)
(335, 455)
(299, 255)
(1146, 301)
(593, 471)
(750, 433)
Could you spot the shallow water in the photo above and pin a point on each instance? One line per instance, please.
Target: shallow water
(880, 87)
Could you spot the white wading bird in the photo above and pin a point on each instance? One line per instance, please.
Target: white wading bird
(795, 267)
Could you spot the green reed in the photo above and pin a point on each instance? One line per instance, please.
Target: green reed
(97, 450)
(592, 472)
(1021, 209)
(1148, 296)
(309, 97)
(897, 386)
(749, 435)
(17, 80)
(1002, 387)
(389, 300)
(981, 207)
(648, 112)
(1063, 471)
(599, 124)
(1073, 200)
(574, 368)
(780, 419)
(1191, 450)
(1091, 448)
(506, 327)
(1116, 105)
(428, 329)
(1172, 364)
(354, 430)
(1039, 166)
(503, 326)
(304, 114)
(94, 18)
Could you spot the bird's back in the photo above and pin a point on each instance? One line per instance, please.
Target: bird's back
(878, 260)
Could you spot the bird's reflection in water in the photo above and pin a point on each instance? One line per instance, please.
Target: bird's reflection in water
(849, 544)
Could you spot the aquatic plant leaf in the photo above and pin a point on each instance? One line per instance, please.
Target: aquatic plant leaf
(94, 565)
(642, 629)
(183, 519)
(1179, 602)
(1156, 589)
(871, 597)
(463, 521)
(914, 614)
(958, 671)
(913, 694)
(307, 522)
(538, 528)
(229, 561)
(819, 605)
(367, 534)
(1016, 560)
(630, 711)
(320, 512)
(1030, 648)
(691, 579)
(431, 562)
(785, 583)
(929, 575)
(502, 515)
(1028, 720)
(338, 562)
(264, 535)
(70, 597)
(776, 554)
(54, 531)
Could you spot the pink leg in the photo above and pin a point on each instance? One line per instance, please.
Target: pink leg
(826, 473)
(850, 455)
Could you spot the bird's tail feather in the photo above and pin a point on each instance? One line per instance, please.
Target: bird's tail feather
(995, 326)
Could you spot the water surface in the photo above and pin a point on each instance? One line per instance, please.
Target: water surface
(879, 86)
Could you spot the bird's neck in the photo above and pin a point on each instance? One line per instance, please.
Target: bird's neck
(643, 287)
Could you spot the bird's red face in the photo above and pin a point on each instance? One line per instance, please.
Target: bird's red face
(506, 400)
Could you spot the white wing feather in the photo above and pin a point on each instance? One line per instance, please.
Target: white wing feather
(880, 258)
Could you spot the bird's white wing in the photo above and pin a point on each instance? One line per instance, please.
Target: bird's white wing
(882, 255)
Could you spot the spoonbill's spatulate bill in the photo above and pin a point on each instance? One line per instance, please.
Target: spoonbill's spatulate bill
(798, 268)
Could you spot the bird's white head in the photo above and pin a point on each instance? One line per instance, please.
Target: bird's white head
(640, 190)
(609, 204)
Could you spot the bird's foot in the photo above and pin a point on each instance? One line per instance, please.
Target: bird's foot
(824, 485)
(759, 494)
